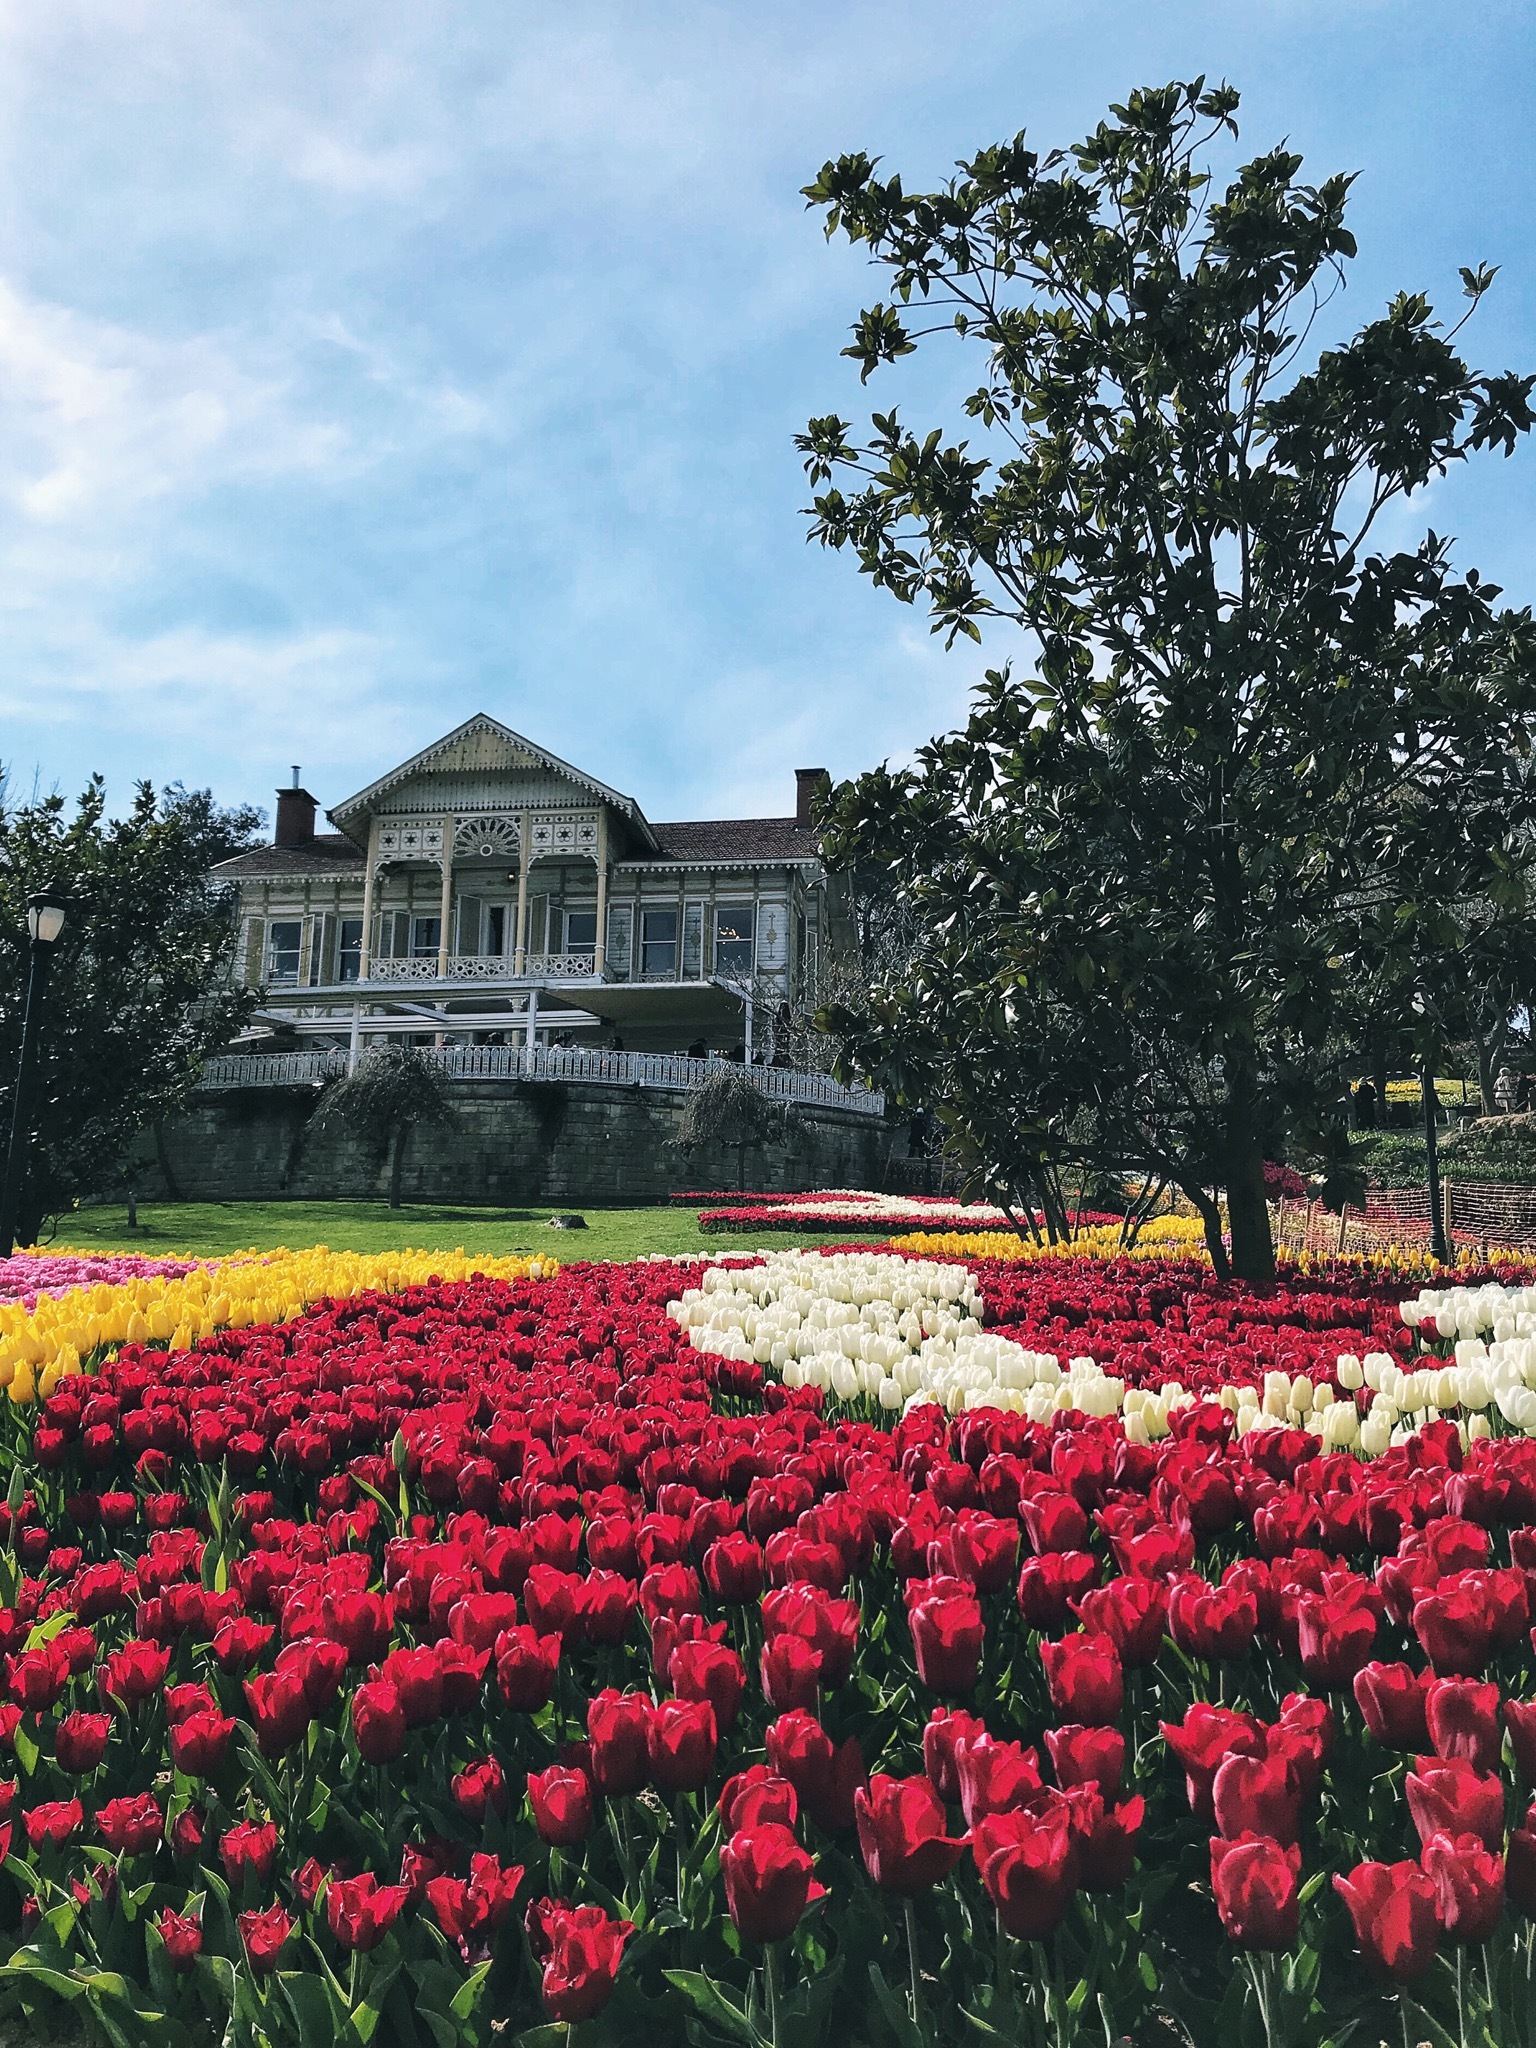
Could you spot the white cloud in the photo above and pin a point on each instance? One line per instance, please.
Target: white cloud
(95, 418)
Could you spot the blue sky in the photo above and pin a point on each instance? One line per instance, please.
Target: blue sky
(365, 365)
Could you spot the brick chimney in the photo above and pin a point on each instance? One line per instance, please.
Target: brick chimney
(295, 815)
(810, 783)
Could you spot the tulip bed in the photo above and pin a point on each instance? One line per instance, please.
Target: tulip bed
(516, 1658)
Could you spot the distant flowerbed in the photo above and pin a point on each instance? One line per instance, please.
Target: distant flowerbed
(28, 1274)
(860, 1647)
(858, 1210)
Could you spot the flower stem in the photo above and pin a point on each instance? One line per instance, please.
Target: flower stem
(912, 1960)
(771, 1973)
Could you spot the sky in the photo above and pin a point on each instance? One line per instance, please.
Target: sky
(365, 364)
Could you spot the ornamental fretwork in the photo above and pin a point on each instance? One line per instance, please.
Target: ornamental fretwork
(486, 839)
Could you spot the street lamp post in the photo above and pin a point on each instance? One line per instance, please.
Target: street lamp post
(46, 909)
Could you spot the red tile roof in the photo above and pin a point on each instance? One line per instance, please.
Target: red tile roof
(779, 839)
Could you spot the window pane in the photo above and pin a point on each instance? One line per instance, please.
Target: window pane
(496, 928)
(283, 950)
(349, 949)
(734, 929)
(581, 931)
(424, 931)
(658, 942)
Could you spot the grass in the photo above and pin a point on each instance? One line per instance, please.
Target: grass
(209, 1229)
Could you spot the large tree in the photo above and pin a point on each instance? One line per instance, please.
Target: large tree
(140, 990)
(1163, 860)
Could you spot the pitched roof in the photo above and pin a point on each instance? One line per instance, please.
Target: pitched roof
(327, 853)
(777, 839)
(483, 727)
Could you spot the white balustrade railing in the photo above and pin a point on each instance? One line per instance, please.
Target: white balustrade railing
(310, 1069)
(483, 967)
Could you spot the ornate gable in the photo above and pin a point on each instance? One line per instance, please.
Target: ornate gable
(479, 770)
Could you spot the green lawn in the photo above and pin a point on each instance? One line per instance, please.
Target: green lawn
(208, 1229)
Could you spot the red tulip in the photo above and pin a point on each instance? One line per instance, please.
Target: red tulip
(562, 1805)
(826, 1779)
(755, 1797)
(1469, 1885)
(469, 1910)
(264, 1935)
(1049, 1585)
(710, 1671)
(1202, 1741)
(526, 1667)
(769, 1881)
(200, 1743)
(1394, 1910)
(580, 1950)
(417, 1677)
(947, 1636)
(1255, 1880)
(1212, 1622)
(947, 1728)
(1391, 1700)
(249, 1851)
(134, 1673)
(994, 1776)
(239, 1642)
(131, 1826)
(681, 1740)
(1087, 1756)
(53, 1823)
(1455, 1623)
(279, 1710)
(1029, 1865)
(1105, 1835)
(1336, 1638)
(360, 1911)
(479, 1789)
(1085, 1679)
(790, 1671)
(901, 1834)
(378, 1722)
(1253, 1795)
(733, 1570)
(37, 1678)
(618, 1726)
(182, 1935)
(1462, 1716)
(1132, 1613)
(80, 1742)
(1452, 1798)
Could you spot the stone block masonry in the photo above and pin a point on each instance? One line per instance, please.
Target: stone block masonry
(518, 1144)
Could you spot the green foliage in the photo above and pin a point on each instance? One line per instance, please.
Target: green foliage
(392, 1089)
(138, 994)
(1251, 781)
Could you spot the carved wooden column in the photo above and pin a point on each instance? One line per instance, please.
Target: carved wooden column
(525, 850)
(365, 956)
(446, 900)
(600, 956)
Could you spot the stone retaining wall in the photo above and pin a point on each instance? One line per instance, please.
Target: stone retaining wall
(531, 1144)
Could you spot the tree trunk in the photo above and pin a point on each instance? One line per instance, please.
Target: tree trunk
(397, 1165)
(1253, 1247)
(1379, 1077)
(1210, 1216)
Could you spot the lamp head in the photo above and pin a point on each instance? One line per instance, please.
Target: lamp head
(46, 910)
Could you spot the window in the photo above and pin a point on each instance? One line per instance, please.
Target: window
(424, 931)
(349, 949)
(581, 931)
(734, 932)
(496, 928)
(283, 939)
(658, 944)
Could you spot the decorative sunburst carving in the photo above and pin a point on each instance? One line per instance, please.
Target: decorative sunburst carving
(486, 839)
